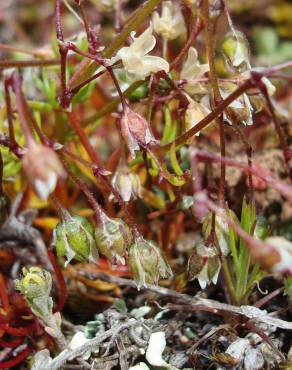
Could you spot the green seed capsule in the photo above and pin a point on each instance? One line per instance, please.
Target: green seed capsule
(236, 51)
(112, 237)
(73, 238)
(147, 262)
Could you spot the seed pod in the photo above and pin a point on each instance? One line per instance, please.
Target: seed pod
(147, 262)
(74, 238)
(112, 237)
(235, 49)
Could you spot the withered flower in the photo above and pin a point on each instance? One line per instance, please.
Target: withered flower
(42, 168)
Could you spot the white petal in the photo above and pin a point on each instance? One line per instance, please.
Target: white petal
(215, 276)
(156, 346)
(192, 68)
(203, 277)
(144, 43)
(44, 188)
(155, 64)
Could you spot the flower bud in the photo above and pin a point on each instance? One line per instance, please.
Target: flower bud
(147, 262)
(35, 283)
(135, 131)
(42, 168)
(236, 51)
(36, 286)
(204, 264)
(112, 237)
(74, 238)
(125, 182)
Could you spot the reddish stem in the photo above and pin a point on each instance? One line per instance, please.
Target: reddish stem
(18, 332)
(4, 64)
(196, 29)
(4, 295)
(15, 361)
(83, 137)
(12, 343)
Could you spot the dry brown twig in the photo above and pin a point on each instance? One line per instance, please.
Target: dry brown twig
(203, 304)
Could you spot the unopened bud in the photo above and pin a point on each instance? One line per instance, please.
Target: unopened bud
(236, 51)
(125, 182)
(204, 264)
(42, 168)
(135, 131)
(147, 262)
(74, 238)
(112, 237)
(35, 283)
(36, 286)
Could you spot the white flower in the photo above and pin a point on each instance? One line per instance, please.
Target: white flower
(170, 24)
(135, 59)
(156, 346)
(125, 182)
(193, 69)
(195, 112)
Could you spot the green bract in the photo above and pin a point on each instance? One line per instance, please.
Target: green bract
(112, 237)
(74, 238)
(147, 262)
